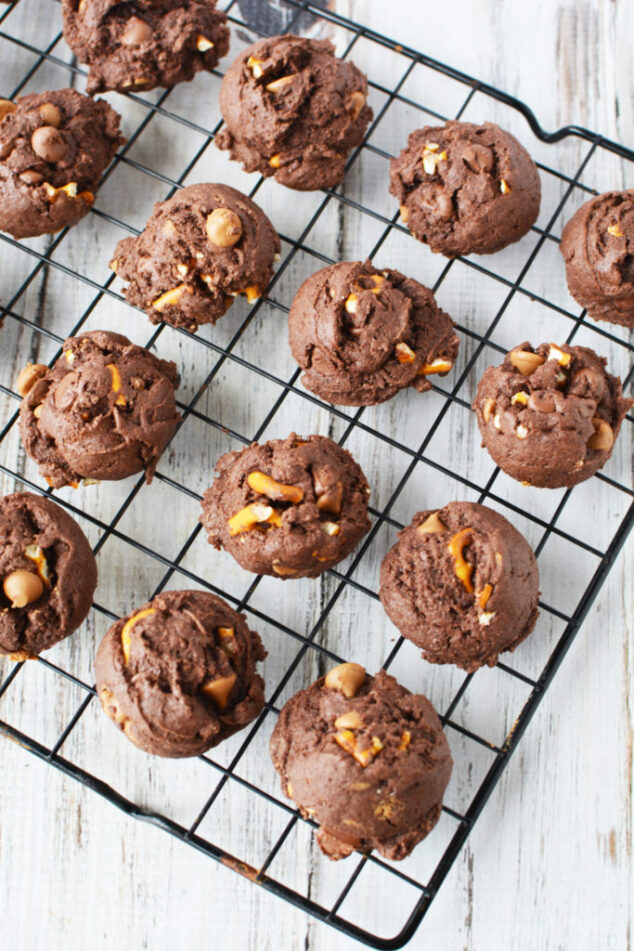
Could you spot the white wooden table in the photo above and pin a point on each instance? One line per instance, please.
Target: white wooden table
(549, 864)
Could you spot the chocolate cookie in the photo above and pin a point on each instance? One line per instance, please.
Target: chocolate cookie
(361, 335)
(198, 251)
(178, 675)
(148, 43)
(294, 111)
(48, 574)
(54, 147)
(549, 416)
(598, 248)
(291, 508)
(104, 410)
(462, 584)
(364, 757)
(466, 188)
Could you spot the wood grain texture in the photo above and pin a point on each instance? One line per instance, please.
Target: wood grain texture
(549, 864)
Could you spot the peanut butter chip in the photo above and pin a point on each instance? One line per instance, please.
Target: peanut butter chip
(346, 678)
(525, 361)
(432, 525)
(224, 228)
(356, 104)
(48, 144)
(51, 114)
(28, 377)
(137, 32)
(603, 437)
(31, 177)
(478, 158)
(6, 108)
(349, 721)
(22, 588)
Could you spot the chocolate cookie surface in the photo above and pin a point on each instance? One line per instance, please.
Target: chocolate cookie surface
(462, 584)
(147, 43)
(361, 335)
(549, 416)
(465, 188)
(104, 410)
(178, 676)
(597, 245)
(367, 759)
(294, 111)
(198, 251)
(54, 148)
(48, 575)
(291, 508)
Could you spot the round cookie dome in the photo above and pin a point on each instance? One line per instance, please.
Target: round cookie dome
(597, 245)
(137, 46)
(290, 508)
(549, 416)
(465, 188)
(367, 759)
(199, 250)
(294, 111)
(54, 148)
(48, 575)
(178, 676)
(104, 410)
(361, 335)
(462, 584)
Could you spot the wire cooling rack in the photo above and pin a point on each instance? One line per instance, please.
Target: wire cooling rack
(283, 858)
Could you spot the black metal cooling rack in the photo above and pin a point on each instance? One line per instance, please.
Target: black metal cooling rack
(297, 13)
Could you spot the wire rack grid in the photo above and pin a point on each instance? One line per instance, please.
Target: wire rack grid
(345, 592)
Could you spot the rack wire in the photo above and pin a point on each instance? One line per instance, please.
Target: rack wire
(457, 823)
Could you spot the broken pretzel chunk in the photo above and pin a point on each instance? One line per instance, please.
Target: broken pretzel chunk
(486, 617)
(279, 84)
(22, 588)
(328, 499)
(432, 157)
(203, 44)
(116, 384)
(28, 377)
(349, 721)
(171, 298)
(406, 738)
(436, 366)
(283, 570)
(252, 516)
(331, 528)
(35, 553)
(505, 188)
(563, 359)
(521, 431)
(488, 408)
(615, 231)
(603, 436)
(6, 108)
(456, 546)
(348, 742)
(275, 161)
(347, 678)
(404, 354)
(126, 633)
(227, 639)
(404, 213)
(484, 595)
(351, 303)
(525, 361)
(70, 190)
(111, 707)
(252, 293)
(431, 526)
(520, 397)
(224, 228)
(220, 689)
(266, 485)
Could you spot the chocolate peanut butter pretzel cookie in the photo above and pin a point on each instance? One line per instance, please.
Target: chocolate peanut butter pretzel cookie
(294, 111)
(462, 584)
(144, 43)
(465, 188)
(549, 416)
(361, 335)
(199, 250)
(597, 245)
(367, 759)
(291, 508)
(54, 148)
(104, 410)
(178, 676)
(48, 575)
